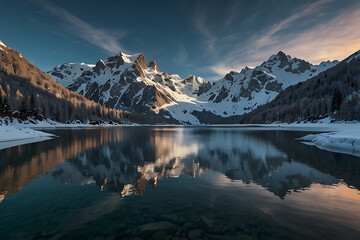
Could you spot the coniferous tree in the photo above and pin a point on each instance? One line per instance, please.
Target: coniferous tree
(1, 101)
(336, 100)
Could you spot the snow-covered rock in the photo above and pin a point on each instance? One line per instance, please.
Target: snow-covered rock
(345, 141)
(2, 46)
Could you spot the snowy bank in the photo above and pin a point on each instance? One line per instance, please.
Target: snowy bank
(340, 136)
(343, 137)
(11, 136)
(14, 132)
(345, 141)
(50, 124)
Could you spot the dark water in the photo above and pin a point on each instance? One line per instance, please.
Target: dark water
(177, 183)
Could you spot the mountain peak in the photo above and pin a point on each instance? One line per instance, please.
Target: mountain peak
(154, 66)
(140, 60)
(100, 65)
(121, 56)
(279, 56)
(140, 64)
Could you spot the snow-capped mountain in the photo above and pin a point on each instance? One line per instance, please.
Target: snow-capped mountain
(241, 92)
(127, 82)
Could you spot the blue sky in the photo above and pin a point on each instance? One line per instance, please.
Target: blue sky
(204, 38)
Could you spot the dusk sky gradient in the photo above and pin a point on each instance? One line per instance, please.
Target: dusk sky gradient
(204, 38)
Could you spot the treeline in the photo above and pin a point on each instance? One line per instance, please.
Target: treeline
(334, 93)
(28, 91)
(30, 101)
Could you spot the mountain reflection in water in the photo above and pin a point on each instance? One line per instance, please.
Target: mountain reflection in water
(124, 160)
(128, 165)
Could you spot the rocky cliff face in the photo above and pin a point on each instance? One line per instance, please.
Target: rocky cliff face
(127, 82)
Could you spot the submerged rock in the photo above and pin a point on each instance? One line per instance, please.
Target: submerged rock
(160, 235)
(151, 228)
(196, 234)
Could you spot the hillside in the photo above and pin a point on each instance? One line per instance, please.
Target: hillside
(334, 92)
(27, 92)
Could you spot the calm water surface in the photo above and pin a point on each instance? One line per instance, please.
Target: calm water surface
(177, 183)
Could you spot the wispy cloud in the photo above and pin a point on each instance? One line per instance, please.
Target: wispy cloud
(334, 39)
(181, 55)
(212, 32)
(201, 25)
(232, 14)
(221, 69)
(107, 40)
(269, 37)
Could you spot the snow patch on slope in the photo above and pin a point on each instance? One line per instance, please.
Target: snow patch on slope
(2, 45)
(355, 55)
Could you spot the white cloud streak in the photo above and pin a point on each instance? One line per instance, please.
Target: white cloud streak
(181, 55)
(270, 36)
(105, 39)
(334, 40)
(201, 25)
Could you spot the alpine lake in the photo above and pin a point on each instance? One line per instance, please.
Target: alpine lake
(163, 182)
